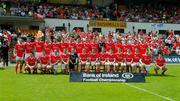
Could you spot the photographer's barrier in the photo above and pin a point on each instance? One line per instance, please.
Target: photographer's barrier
(106, 77)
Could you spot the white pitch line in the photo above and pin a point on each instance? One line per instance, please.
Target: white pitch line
(150, 92)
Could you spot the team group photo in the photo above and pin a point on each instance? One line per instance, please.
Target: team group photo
(89, 50)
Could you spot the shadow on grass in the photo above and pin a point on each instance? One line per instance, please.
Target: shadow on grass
(160, 75)
(45, 74)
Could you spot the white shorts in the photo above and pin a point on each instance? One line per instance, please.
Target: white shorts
(63, 66)
(116, 64)
(82, 62)
(27, 55)
(123, 64)
(44, 66)
(135, 64)
(39, 66)
(88, 63)
(141, 65)
(92, 63)
(38, 54)
(111, 63)
(55, 67)
(128, 63)
(97, 63)
(107, 63)
(147, 67)
(49, 67)
(19, 58)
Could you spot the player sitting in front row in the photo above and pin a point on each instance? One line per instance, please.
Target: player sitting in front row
(160, 63)
(31, 63)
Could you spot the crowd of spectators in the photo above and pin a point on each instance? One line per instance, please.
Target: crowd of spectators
(135, 13)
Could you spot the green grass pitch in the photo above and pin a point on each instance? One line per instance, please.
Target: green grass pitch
(43, 87)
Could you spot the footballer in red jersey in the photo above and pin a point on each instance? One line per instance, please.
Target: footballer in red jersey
(19, 53)
(88, 47)
(160, 63)
(111, 60)
(83, 59)
(136, 61)
(44, 62)
(55, 58)
(47, 47)
(143, 48)
(102, 57)
(63, 46)
(31, 63)
(79, 47)
(120, 60)
(64, 61)
(93, 58)
(129, 59)
(29, 47)
(146, 63)
(39, 46)
(71, 45)
(55, 47)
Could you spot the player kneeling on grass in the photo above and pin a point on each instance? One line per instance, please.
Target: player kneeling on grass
(44, 61)
(54, 63)
(120, 64)
(160, 63)
(93, 58)
(31, 63)
(146, 63)
(111, 60)
(102, 58)
(129, 60)
(83, 59)
(136, 61)
(64, 61)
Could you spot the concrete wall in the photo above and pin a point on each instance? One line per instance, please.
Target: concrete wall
(83, 23)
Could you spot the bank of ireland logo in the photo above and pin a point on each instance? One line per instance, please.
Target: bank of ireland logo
(127, 75)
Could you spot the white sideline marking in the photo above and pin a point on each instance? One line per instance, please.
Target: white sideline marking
(150, 92)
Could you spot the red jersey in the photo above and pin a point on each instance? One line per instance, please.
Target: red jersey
(55, 47)
(29, 47)
(79, 47)
(124, 48)
(103, 56)
(39, 46)
(44, 59)
(146, 59)
(65, 58)
(54, 59)
(160, 61)
(84, 56)
(20, 49)
(131, 47)
(111, 57)
(31, 60)
(93, 57)
(88, 47)
(47, 48)
(71, 45)
(94, 46)
(129, 57)
(136, 58)
(63, 46)
(143, 48)
(120, 57)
